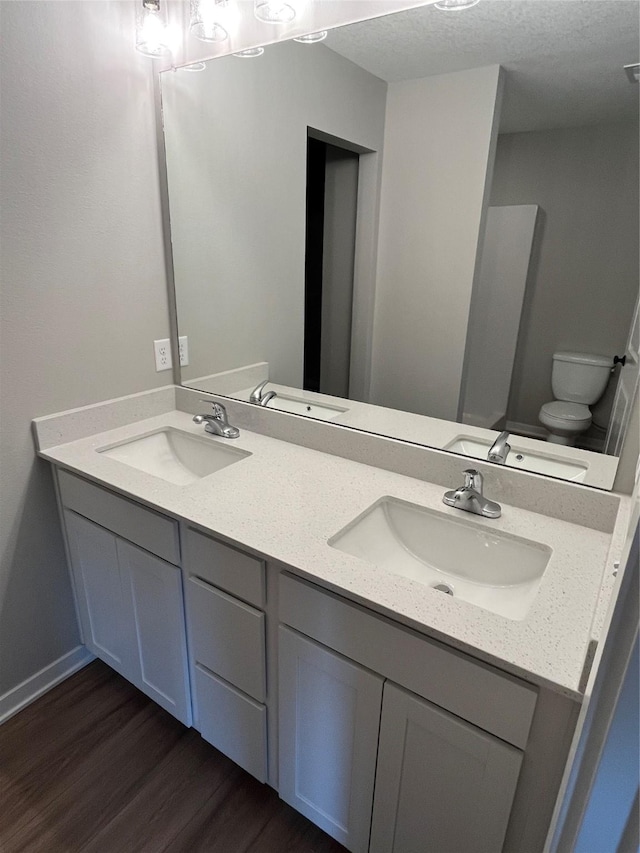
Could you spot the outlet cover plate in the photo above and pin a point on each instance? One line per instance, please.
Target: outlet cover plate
(183, 347)
(162, 350)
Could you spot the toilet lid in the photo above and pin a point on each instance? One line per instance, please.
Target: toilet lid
(567, 411)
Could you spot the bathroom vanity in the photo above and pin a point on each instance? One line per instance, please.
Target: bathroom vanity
(385, 710)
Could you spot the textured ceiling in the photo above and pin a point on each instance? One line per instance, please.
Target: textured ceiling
(563, 58)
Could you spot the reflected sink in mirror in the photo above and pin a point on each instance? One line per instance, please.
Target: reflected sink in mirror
(491, 569)
(175, 456)
(310, 408)
(538, 463)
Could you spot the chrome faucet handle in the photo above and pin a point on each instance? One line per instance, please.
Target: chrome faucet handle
(473, 479)
(220, 413)
(256, 394)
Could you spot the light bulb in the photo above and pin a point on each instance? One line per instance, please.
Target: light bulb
(274, 11)
(250, 53)
(312, 38)
(152, 36)
(455, 5)
(206, 18)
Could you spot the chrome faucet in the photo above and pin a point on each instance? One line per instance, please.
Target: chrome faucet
(217, 423)
(499, 450)
(470, 498)
(259, 397)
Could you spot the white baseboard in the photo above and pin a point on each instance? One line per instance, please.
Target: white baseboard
(36, 685)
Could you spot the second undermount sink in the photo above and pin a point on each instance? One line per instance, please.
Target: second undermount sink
(538, 463)
(175, 456)
(491, 569)
(308, 407)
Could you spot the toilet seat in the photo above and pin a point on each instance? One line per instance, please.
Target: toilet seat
(564, 413)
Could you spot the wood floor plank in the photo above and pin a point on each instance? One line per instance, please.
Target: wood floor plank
(229, 821)
(46, 766)
(179, 787)
(290, 832)
(44, 728)
(78, 802)
(95, 766)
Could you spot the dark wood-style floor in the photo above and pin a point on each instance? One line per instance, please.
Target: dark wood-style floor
(95, 766)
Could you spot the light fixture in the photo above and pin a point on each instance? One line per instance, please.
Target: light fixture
(274, 11)
(312, 38)
(206, 17)
(250, 53)
(152, 35)
(455, 5)
(633, 72)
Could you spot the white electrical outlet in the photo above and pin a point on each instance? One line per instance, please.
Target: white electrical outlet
(183, 347)
(162, 350)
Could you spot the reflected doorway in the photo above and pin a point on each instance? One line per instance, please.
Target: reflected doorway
(331, 213)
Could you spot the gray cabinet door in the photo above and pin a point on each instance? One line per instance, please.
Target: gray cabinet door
(99, 592)
(442, 785)
(154, 593)
(329, 721)
(132, 612)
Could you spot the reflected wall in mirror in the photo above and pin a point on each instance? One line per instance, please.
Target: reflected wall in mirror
(399, 227)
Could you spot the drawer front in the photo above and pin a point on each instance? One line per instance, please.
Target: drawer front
(227, 637)
(226, 568)
(233, 723)
(492, 700)
(144, 527)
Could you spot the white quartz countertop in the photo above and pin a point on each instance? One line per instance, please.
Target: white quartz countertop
(285, 501)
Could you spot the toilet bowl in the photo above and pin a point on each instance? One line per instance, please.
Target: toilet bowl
(565, 421)
(578, 380)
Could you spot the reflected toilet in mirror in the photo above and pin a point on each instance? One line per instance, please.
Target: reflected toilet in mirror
(578, 381)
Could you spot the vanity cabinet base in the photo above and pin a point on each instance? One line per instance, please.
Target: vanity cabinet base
(388, 740)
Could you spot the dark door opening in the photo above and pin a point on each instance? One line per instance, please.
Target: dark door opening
(331, 208)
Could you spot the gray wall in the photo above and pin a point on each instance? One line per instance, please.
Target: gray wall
(237, 180)
(438, 142)
(584, 279)
(83, 286)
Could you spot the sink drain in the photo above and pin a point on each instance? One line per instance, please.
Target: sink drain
(443, 587)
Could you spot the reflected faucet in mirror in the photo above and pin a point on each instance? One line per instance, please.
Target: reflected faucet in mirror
(259, 396)
(500, 448)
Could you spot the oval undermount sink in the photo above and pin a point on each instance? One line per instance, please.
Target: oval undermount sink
(491, 569)
(175, 456)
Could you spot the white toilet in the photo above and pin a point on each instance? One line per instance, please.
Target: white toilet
(578, 380)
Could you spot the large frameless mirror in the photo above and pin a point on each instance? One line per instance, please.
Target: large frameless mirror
(425, 226)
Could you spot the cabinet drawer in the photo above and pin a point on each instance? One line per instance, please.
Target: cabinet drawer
(233, 723)
(492, 700)
(148, 529)
(225, 567)
(227, 637)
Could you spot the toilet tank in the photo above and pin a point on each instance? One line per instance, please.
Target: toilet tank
(579, 377)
